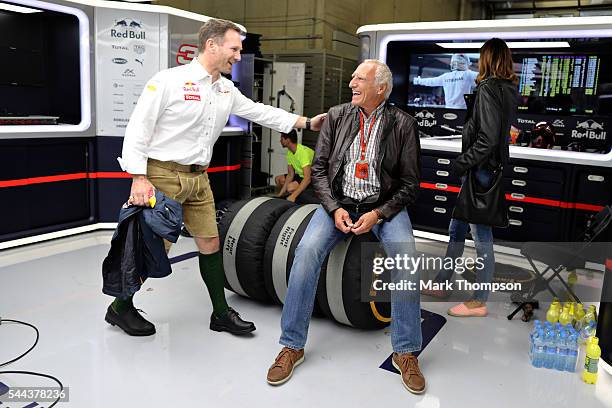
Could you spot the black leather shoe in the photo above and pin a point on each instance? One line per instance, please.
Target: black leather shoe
(130, 321)
(231, 323)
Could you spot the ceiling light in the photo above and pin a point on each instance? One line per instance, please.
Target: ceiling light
(511, 44)
(18, 9)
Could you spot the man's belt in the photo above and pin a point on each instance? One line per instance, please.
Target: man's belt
(359, 207)
(185, 168)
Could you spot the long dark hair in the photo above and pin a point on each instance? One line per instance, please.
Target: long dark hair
(495, 61)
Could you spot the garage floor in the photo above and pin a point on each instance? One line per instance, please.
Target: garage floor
(56, 286)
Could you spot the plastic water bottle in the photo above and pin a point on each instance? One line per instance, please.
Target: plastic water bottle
(552, 315)
(532, 334)
(591, 315)
(569, 329)
(561, 359)
(593, 352)
(548, 326)
(550, 348)
(537, 324)
(579, 316)
(572, 351)
(539, 352)
(565, 317)
(587, 331)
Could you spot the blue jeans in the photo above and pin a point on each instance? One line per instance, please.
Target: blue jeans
(483, 240)
(319, 239)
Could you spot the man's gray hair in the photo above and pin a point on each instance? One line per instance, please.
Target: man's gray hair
(215, 28)
(383, 75)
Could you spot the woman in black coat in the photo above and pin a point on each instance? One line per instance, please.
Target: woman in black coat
(484, 151)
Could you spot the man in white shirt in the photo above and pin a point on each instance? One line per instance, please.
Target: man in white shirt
(168, 145)
(456, 83)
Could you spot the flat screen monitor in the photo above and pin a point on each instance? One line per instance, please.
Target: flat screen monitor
(21, 49)
(548, 83)
(568, 87)
(441, 80)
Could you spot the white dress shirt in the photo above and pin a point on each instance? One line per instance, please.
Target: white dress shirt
(455, 84)
(181, 114)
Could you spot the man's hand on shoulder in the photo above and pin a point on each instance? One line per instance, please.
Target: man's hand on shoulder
(317, 122)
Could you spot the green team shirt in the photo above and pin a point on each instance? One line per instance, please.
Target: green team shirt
(301, 158)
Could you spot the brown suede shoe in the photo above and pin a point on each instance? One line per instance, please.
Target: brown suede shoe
(437, 293)
(408, 366)
(282, 369)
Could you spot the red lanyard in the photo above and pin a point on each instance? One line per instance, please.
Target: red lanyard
(361, 138)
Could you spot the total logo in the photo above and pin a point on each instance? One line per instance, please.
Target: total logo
(525, 121)
(128, 28)
(426, 119)
(186, 53)
(589, 129)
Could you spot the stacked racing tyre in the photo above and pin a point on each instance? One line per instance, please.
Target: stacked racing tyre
(339, 293)
(243, 232)
(280, 249)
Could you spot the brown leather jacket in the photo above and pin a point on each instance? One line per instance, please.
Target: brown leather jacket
(398, 163)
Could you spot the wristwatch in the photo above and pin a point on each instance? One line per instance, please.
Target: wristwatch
(380, 215)
(307, 127)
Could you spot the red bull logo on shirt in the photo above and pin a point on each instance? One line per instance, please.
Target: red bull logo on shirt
(191, 91)
(191, 87)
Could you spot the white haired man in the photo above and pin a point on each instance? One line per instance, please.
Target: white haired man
(359, 192)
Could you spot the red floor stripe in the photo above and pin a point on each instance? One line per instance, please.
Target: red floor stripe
(223, 168)
(588, 207)
(526, 199)
(124, 175)
(534, 200)
(110, 175)
(433, 186)
(44, 179)
(96, 175)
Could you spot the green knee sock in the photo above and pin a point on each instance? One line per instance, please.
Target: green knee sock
(121, 305)
(211, 269)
